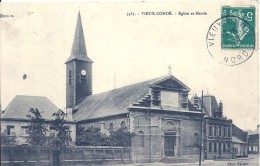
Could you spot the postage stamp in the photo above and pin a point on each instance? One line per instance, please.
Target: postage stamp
(231, 38)
(238, 23)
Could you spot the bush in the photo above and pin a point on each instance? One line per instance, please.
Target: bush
(92, 136)
(120, 137)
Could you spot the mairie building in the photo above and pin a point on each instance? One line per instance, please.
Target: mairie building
(167, 125)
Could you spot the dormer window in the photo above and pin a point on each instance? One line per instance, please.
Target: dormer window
(169, 99)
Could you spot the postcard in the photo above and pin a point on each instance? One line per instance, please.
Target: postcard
(130, 82)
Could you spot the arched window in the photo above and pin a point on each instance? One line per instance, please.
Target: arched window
(123, 125)
(111, 127)
(141, 139)
(169, 126)
(196, 139)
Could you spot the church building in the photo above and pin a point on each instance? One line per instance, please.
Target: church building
(156, 110)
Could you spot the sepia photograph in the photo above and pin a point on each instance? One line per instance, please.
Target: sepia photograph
(129, 83)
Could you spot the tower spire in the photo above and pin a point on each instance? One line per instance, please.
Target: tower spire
(78, 70)
(79, 51)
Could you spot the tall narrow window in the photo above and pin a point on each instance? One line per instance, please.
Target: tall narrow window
(9, 130)
(228, 147)
(215, 130)
(123, 125)
(229, 132)
(210, 130)
(196, 139)
(141, 138)
(83, 79)
(111, 127)
(215, 147)
(219, 131)
(210, 146)
(225, 130)
(224, 147)
(70, 77)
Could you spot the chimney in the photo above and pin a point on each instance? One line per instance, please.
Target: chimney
(220, 106)
(69, 113)
(196, 101)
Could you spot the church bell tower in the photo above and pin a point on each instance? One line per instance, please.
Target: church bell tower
(78, 70)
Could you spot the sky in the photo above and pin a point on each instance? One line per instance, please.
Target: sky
(37, 41)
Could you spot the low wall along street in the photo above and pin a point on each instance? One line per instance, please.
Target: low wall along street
(68, 156)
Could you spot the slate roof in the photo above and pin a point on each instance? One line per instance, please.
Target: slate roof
(79, 51)
(255, 132)
(237, 140)
(19, 107)
(116, 101)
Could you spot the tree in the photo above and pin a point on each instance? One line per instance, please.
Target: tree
(7, 140)
(62, 129)
(36, 129)
(91, 136)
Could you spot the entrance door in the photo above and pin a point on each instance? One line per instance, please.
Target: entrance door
(56, 158)
(169, 142)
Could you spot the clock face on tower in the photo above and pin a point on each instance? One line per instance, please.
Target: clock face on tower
(83, 72)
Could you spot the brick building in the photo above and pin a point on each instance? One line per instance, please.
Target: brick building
(217, 129)
(14, 121)
(253, 142)
(240, 142)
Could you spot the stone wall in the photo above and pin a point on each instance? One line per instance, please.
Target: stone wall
(69, 156)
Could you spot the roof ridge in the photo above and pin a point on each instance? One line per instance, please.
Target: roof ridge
(30, 96)
(128, 86)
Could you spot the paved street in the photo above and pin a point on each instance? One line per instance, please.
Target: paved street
(250, 161)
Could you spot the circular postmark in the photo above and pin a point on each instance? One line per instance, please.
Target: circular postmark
(230, 40)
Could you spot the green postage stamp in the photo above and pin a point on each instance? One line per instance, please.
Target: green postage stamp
(238, 27)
